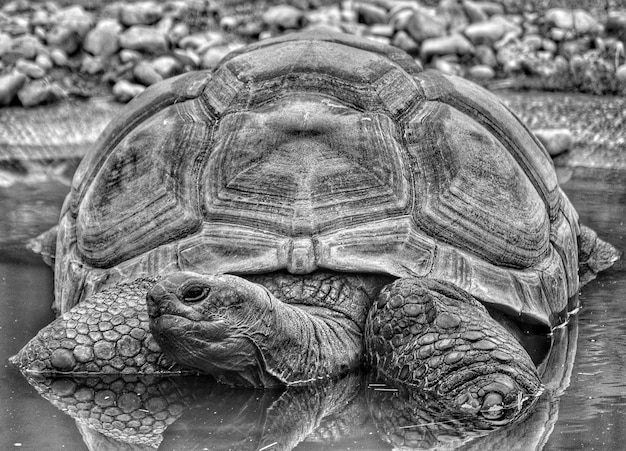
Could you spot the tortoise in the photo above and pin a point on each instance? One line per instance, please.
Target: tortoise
(318, 201)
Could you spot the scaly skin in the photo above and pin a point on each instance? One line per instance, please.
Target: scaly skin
(106, 334)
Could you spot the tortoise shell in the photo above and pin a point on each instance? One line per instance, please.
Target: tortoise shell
(322, 151)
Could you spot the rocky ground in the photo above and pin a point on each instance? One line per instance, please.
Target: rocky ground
(53, 50)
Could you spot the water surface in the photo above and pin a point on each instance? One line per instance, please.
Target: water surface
(587, 409)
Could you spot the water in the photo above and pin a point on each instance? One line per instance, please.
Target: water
(584, 406)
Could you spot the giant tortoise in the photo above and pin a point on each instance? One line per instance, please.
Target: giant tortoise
(317, 202)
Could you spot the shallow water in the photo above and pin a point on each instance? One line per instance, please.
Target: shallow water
(584, 407)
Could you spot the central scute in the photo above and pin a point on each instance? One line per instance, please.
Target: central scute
(298, 167)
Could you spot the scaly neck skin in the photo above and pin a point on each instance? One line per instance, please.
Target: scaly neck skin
(303, 343)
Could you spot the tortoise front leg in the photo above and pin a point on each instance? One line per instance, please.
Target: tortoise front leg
(439, 339)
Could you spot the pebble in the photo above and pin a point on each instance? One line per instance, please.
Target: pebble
(30, 69)
(140, 13)
(370, 14)
(405, 42)
(91, 65)
(211, 58)
(445, 45)
(25, 46)
(616, 24)
(474, 12)
(167, 66)
(555, 140)
(145, 74)
(482, 72)
(576, 20)
(144, 39)
(39, 92)
(75, 19)
(284, 17)
(124, 91)
(490, 32)
(59, 57)
(103, 40)
(10, 84)
(425, 25)
(620, 74)
(5, 43)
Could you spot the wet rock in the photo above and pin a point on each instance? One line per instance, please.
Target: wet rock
(370, 14)
(144, 39)
(405, 42)
(284, 17)
(425, 24)
(555, 140)
(30, 69)
(141, 13)
(124, 91)
(481, 72)
(103, 40)
(491, 31)
(166, 66)
(145, 74)
(40, 92)
(10, 84)
(576, 20)
(455, 44)
(616, 24)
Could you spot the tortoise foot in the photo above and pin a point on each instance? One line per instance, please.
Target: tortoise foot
(440, 340)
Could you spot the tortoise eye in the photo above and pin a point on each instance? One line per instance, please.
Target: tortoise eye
(194, 293)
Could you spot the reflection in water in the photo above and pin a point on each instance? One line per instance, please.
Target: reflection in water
(188, 412)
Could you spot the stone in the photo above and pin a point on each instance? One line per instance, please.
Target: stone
(370, 14)
(400, 14)
(91, 65)
(381, 29)
(145, 74)
(555, 140)
(44, 61)
(481, 72)
(211, 58)
(549, 45)
(30, 69)
(490, 8)
(178, 32)
(616, 25)
(474, 12)
(284, 17)
(620, 75)
(575, 47)
(167, 66)
(5, 43)
(187, 57)
(447, 67)
(491, 31)
(59, 57)
(25, 46)
(405, 42)
(63, 38)
(485, 55)
(103, 40)
(454, 15)
(532, 42)
(129, 56)
(141, 13)
(144, 39)
(455, 44)
(576, 20)
(74, 18)
(40, 92)
(124, 91)
(10, 84)
(424, 24)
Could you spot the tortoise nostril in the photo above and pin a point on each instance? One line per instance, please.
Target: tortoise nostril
(194, 293)
(156, 293)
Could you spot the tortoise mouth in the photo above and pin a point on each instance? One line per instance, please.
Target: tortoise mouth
(212, 329)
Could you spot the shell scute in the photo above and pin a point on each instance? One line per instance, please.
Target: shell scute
(145, 193)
